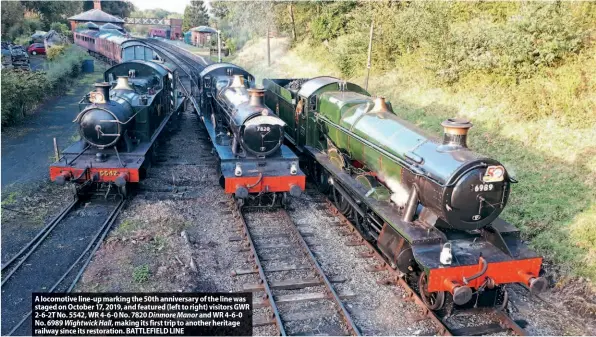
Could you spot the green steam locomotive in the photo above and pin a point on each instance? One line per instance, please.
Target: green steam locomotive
(431, 206)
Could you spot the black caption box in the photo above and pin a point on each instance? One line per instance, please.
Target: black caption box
(142, 314)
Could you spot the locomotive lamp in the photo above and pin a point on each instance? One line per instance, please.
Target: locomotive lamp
(293, 169)
(238, 170)
(446, 256)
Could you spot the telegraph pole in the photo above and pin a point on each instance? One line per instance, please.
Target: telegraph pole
(369, 56)
(268, 48)
(219, 45)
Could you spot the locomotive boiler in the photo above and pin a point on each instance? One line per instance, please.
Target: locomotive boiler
(256, 129)
(248, 137)
(118, 125)
(430, 205)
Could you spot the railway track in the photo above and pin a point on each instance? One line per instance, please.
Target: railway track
(282, 258)
(55, 259)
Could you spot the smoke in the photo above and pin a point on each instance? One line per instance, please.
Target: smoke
(399, 193)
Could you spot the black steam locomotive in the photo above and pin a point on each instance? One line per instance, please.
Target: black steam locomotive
(248, 138)
(431, 206)
(118, 125)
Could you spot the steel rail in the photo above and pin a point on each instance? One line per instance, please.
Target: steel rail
(92, 247)
(352, 328)
(397, 279)
(332, 294)
(32, 245)
(255, 257)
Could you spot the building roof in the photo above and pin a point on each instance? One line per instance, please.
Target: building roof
(110, 26)
(96, 15)
(91, 25)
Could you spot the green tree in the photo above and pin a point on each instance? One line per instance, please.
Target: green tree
(52, 11)
(121, 9)
(12, 16)
(59, 27)
(194, 15)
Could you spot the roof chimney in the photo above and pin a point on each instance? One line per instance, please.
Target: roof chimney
(101, 93)
(256, 96)
(97, 4)
(456, 132)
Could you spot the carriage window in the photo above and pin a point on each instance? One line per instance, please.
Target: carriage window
(207, 81)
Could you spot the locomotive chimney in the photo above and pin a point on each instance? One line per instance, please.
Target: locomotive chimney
(380, 105)
(456, 131)
(102, 88)
(123, 84)
(256, 96)
(237, 82)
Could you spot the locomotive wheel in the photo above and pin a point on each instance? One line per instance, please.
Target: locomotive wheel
(434, 300)
(503, 306)
(342, 203)
(123, 191)
(285, 200)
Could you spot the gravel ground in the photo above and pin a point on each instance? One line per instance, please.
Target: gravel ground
(376, 310)
(158, 243)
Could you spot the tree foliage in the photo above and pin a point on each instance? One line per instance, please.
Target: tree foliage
(12, 16)
(511, 39)
(195, 15)
(53, 11)
(121, 9)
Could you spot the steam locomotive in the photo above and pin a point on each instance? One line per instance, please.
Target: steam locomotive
(118, 125)
(431, 206)
(255, 166)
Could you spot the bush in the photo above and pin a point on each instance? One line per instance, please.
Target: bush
(23, 90)
(55, 51)
(59, 27)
